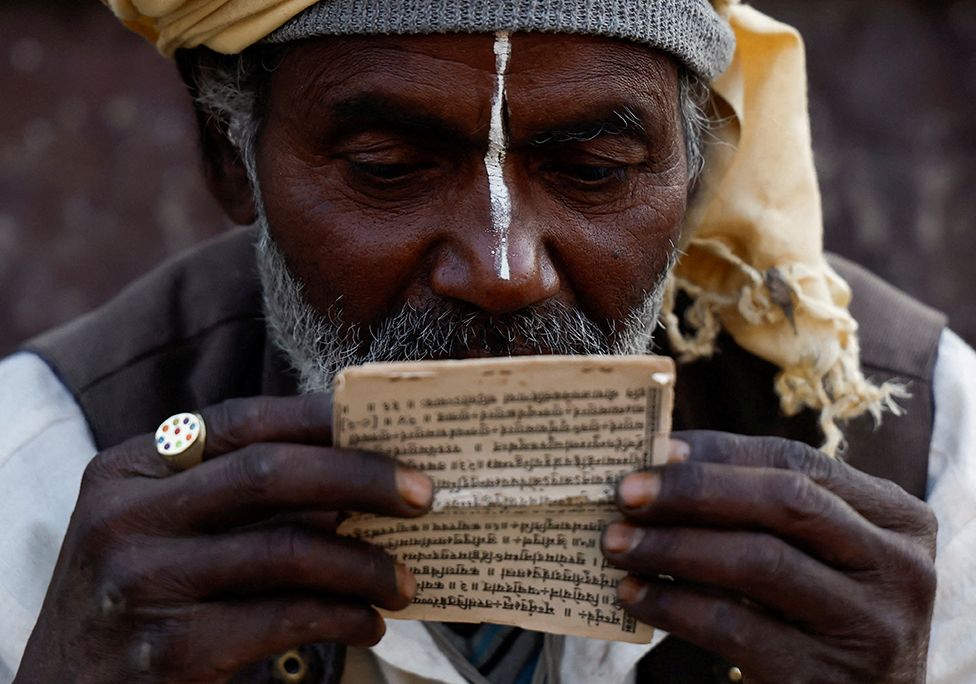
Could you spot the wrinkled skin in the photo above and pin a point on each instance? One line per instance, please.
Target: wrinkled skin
(381, 151)
(795, 568)
(167, 576)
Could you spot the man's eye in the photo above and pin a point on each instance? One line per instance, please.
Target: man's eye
(388, 172)
(588, 174)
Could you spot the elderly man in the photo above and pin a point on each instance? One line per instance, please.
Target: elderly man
(463, 179)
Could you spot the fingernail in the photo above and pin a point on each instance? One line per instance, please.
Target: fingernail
(406, 584)
(621, 537)
(415, 487)
(631, 590)
(678, 451)
(639, 489)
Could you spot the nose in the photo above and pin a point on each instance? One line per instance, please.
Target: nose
(478, 266)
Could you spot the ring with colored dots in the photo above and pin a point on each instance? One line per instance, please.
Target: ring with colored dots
(181, 440)
(177, 434)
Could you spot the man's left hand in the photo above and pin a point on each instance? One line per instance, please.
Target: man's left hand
(792, 566)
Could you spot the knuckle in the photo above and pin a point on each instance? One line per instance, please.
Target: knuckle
(769, 560)
(106, 466)
(797, 456)
(928, 523)
(818, 466)
(893, 492)
(897, 498)
(257, 471)
(922, 578)
(888, 640)
(776, 447)
(113, 601)
(907, 514)
(804, 500)
(882, 628)
(93, 474)
(890, 489)
(311, 620)
(130, 577)
(119, 584)
(738, 447)
(296, 618)
(251, 411)
(290, 548)
(726, 619)
(168, 647)
(932, 534)
(153, 650)
(228, 422)
(222, 428)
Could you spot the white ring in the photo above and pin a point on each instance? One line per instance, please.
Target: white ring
(181, 438)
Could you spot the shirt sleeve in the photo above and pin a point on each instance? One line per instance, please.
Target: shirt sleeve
(952, 495)
(45, 445)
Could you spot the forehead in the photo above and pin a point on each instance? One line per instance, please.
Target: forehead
(454, 75)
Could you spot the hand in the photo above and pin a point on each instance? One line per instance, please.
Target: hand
(189, 576)
(792, 566)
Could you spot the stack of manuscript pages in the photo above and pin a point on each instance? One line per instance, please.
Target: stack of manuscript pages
(525, 454)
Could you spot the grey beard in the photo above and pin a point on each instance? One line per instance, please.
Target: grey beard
(318, 345)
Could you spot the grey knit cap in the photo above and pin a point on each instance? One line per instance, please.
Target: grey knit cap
(691, 30)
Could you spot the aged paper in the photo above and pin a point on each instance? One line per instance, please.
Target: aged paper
(525, 454)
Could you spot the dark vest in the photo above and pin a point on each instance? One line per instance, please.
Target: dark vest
(192, 334)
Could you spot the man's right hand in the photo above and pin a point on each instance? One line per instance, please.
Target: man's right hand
(190, 576)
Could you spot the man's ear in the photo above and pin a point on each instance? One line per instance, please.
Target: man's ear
(226, 174)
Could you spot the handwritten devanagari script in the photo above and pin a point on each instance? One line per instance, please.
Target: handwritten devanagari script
(525, 454)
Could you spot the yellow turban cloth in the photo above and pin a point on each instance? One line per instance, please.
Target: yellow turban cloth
(753, 261)
(226, 26)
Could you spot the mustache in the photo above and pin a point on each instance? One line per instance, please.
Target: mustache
(446, 329)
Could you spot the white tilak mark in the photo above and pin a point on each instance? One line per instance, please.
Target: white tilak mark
(501, 199)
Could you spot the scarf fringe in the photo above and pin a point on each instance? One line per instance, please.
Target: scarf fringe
(838, 392)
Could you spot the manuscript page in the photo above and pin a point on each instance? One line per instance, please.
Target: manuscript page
(525, 454)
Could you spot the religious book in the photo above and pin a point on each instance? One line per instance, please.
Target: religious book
(525, 454)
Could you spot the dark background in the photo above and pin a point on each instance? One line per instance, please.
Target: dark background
(99, 178)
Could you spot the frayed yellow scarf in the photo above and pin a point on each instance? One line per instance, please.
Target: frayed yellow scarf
(227, 26)
(753, 260)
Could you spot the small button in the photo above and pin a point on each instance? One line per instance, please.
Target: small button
(735, 674)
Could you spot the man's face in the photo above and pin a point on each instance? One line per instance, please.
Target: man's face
(374, 164)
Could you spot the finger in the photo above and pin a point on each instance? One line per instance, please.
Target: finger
(286, 558)
(231, 425)
(881, 501)
(237, 423)
(764, 649)
(267, 479)
(217, 640)
(321, 521)
(785, 503)
(756, 565)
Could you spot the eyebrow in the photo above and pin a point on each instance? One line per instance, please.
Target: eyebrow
(617, 121)
(372, 111)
